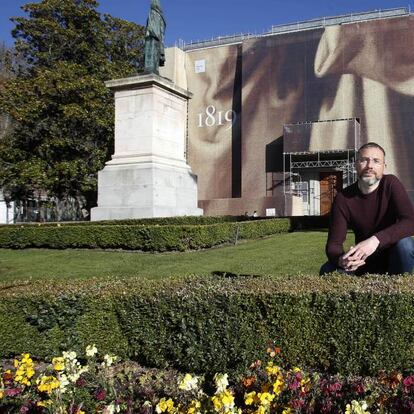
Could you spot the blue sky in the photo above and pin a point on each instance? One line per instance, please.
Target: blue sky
(192, 20)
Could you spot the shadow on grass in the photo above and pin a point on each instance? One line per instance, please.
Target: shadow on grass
(230, 275)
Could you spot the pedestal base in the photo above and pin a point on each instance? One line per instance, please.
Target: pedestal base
(145, 190)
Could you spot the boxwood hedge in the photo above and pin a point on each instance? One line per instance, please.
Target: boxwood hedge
(160, 221)
(138, 237)
(338, 324)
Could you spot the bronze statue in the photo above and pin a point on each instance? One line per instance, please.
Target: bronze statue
(154, 39)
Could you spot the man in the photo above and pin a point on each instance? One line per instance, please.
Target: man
(154, 55)
(378, 210)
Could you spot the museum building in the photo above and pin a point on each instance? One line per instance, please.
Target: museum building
(275, 119)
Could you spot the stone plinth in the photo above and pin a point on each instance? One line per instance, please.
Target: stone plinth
(148, 175)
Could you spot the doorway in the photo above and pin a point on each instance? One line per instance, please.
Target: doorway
(330, 184)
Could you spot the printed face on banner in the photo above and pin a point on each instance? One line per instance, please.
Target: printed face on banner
(244, 95)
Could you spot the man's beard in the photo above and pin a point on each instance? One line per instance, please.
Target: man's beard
(369, 181)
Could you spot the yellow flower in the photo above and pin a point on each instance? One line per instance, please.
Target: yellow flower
(1, 394)
(228, 399)
(278, 386)
(223, 401)
(45, 403)
(305, 384)
(250, 398)
(273, 369)
(25, 369)
(26, 358)
(287, 410)
(217, 403)
(47, 384)
(194, 407)
(165, 406)
(58, 363)
(265, 398)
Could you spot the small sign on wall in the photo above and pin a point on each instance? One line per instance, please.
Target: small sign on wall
(270, 212)
(200, 66)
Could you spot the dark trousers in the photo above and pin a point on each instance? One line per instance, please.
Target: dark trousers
(395, 260)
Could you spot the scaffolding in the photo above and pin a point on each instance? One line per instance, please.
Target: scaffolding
(313, 148)
(293, 163)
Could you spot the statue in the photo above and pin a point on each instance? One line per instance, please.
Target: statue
(154, 39)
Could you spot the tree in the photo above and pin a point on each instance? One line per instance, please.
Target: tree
(61, 110)
(8, 61)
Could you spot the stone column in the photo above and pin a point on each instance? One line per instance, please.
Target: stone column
(148, 175)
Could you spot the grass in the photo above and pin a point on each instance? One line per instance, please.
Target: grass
(292, 253)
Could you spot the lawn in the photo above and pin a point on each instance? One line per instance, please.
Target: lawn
(292, 253)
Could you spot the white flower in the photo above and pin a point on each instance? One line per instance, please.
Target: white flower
(221, 382)
(112, 409)
(188, 383)
(108, 360)
(63, 382)
(91, 350)
(356, 408)
(73, 377)
(70, 356)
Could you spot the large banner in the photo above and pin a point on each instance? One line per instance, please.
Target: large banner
(244, 95)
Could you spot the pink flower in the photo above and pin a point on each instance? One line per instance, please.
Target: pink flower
(11, 392)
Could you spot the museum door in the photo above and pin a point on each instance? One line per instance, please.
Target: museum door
(330, 184)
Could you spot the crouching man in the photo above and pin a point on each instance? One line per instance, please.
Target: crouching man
(381, 215)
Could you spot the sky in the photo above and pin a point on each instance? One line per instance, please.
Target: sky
(193, 20)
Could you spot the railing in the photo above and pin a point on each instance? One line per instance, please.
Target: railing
(298, 26)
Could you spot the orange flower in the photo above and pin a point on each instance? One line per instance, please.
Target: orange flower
(249, 381)
(273, 351)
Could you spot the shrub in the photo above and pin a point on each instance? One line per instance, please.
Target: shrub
(160, 221)
(138, 237)
(335, 324)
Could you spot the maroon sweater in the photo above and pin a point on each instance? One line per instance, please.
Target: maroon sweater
(386, 213)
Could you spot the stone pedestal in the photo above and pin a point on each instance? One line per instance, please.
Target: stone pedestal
(148, 175)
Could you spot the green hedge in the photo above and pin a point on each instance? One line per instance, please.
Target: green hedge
(137, 237)
(337, 324)
(160, 221)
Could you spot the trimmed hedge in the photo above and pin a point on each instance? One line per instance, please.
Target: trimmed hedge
(339, 324)
(160, 221)
(137, 237)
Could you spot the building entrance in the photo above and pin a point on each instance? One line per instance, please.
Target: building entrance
(330, 183)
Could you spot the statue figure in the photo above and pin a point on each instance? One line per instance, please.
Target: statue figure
(154, 39)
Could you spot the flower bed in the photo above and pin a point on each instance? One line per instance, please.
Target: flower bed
(91, 384)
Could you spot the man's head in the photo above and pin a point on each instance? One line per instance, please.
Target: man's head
(370, 164)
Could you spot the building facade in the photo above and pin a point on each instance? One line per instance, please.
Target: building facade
(275, 119)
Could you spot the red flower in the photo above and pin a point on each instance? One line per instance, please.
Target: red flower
(100, 394)
(7, 376)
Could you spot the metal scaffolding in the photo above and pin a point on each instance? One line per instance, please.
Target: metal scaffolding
(293, 161)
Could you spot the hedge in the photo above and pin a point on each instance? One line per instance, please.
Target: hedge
(160, 221)
(137, 237)
(335, 324)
